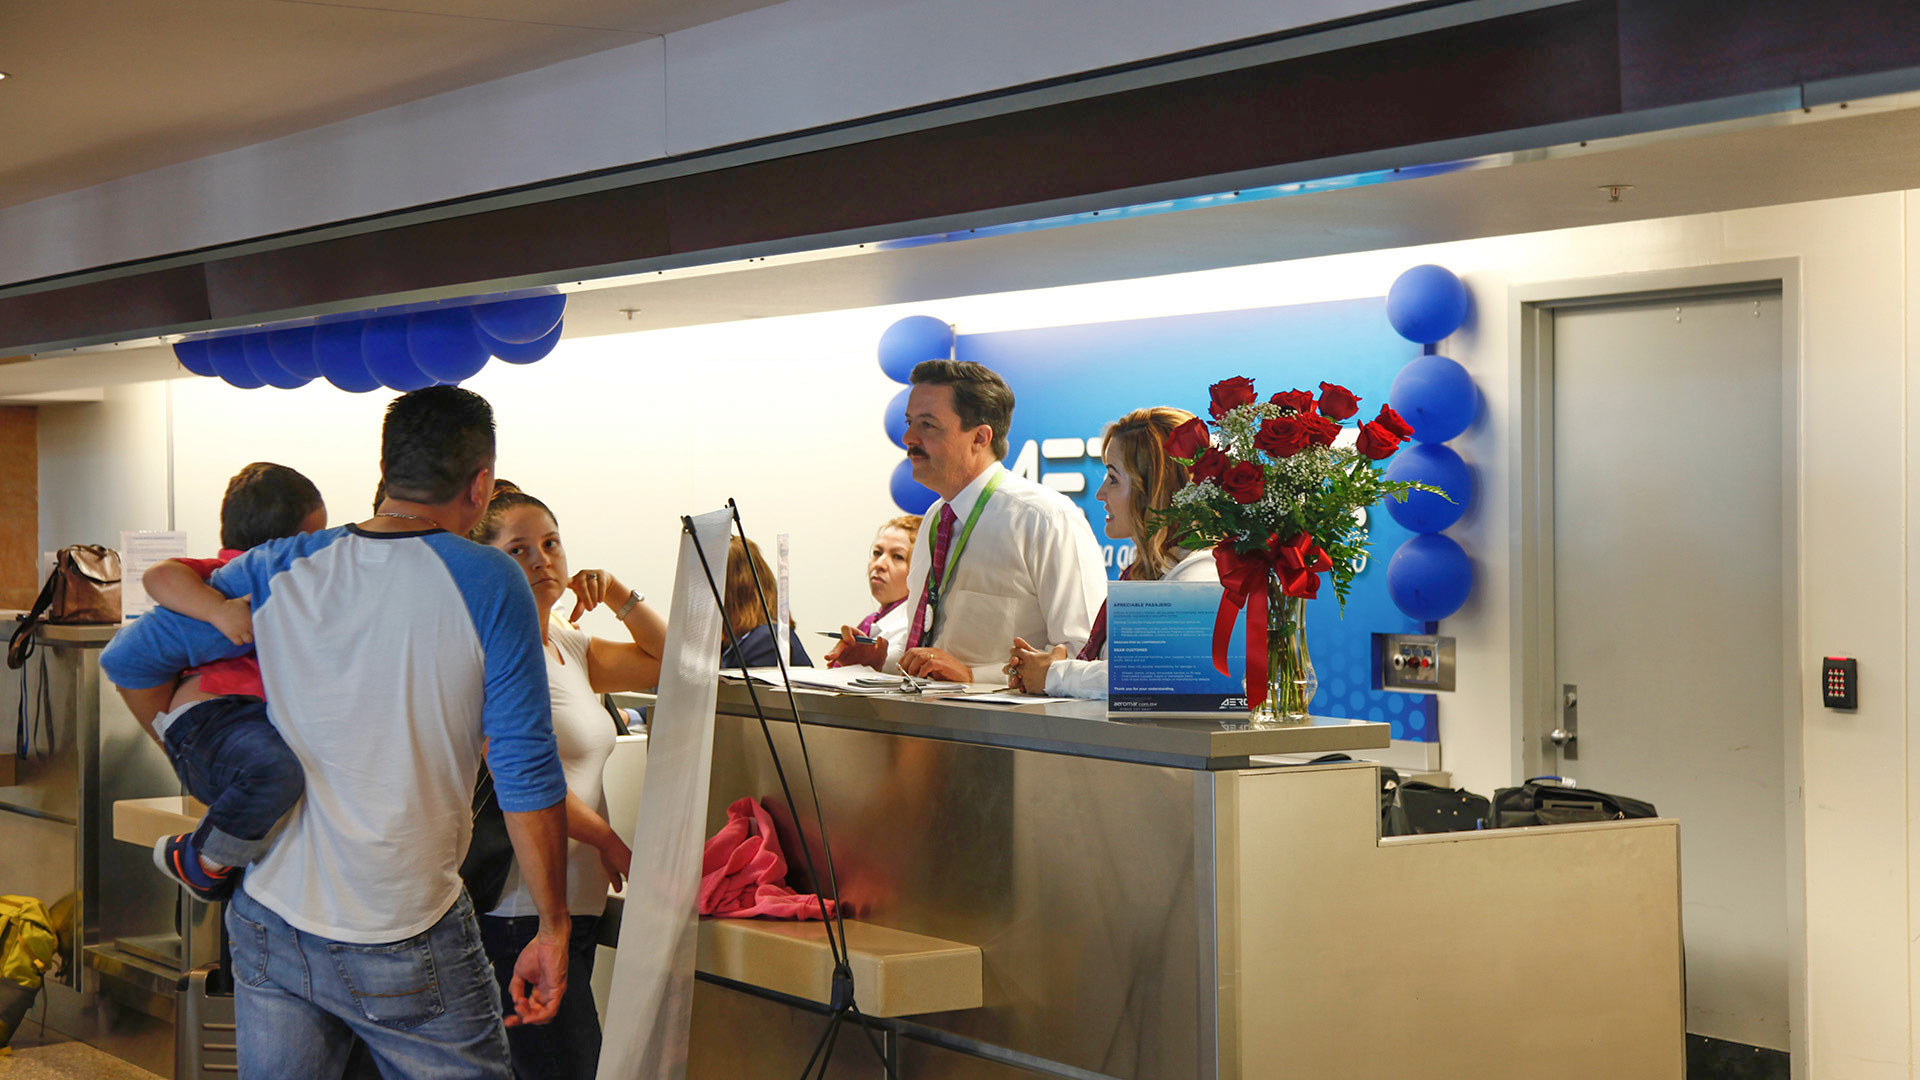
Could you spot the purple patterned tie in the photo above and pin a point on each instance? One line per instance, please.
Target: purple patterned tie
(942, 539)
(1098, 637)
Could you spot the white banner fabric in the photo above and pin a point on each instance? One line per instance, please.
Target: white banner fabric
(650, 1004)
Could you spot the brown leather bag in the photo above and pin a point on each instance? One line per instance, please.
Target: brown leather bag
(84, 587)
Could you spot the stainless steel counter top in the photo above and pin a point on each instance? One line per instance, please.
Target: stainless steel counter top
(1074, 728)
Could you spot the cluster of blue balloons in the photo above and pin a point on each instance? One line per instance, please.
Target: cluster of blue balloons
(400, 352)
(903, 345)
(1430, 576)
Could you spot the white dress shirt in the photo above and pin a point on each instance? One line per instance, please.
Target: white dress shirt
(1088, 678)
(1031, 569)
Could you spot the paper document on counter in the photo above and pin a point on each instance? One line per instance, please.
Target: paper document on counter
(849, 680)
(139, 551)
(1013, 699)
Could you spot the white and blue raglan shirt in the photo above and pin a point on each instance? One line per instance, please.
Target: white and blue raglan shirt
(387, 658)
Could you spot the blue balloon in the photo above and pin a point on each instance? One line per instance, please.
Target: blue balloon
(1429, 577)
(336, 348)
(1436, 396)
(383, 345)
(266, 368)
(193, 356)
(1427, 303)
(526, 353)
(445, 345)
(518, 322)
(896, 418)
(911, 340)
(1430, 463)
(908, 494)
(292, 349)
(229, 359)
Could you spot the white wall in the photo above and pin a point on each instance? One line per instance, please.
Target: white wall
(794, 65)
(621, 434)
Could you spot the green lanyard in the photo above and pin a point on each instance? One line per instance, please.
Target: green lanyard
(960, 544)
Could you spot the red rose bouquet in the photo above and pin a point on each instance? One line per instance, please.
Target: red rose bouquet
(1278, 500)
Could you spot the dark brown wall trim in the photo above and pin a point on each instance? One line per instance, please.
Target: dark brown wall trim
(1586, 61)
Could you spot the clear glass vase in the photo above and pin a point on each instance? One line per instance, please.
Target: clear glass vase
(1291, 682)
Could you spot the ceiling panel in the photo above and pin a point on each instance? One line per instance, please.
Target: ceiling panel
(100, 89)
(639, 16)
(1832, 154)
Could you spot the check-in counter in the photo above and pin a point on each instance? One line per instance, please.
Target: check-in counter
(1164, 900)
(125, 932)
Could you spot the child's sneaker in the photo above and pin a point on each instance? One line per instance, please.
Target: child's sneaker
(177, 858)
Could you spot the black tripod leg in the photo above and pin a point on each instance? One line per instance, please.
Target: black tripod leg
(867, 1029)
(820, 1045)
(833, 1036)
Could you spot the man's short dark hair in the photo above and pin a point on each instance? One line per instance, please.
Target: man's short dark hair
(979, 395)
(264, 502)
(434, 442)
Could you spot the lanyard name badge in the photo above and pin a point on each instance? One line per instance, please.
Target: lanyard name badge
(938, 593)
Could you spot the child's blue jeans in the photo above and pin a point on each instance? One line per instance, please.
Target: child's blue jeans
(229, 756)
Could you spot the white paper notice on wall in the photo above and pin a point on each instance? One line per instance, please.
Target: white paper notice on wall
(138, 552)
(650, 1004)
(782, 623)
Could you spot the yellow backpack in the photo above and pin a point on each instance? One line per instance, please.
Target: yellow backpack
(27, 945)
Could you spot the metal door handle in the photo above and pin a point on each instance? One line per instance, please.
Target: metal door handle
(1566, 735)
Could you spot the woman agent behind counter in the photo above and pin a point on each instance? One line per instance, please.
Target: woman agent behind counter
(579, 669)
(1140, 479)
(741, 604)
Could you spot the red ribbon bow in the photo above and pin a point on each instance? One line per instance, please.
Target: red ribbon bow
(1298, 563)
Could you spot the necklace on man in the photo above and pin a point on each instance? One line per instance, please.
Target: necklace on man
(410, 517)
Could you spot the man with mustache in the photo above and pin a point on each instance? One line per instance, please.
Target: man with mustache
(998, 557)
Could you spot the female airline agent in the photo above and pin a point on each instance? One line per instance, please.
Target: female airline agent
(1140, 478)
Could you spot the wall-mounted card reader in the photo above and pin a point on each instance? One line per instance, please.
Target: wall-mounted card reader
(1839, 682)
(1412, 663)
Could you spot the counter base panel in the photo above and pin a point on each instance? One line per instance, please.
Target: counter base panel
(1499, 954)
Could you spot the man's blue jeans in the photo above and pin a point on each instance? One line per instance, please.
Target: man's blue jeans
(427, 1007)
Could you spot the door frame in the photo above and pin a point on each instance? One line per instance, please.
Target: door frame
(1531, 308)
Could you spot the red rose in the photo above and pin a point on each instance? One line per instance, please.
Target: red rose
(1188, 440)
(1281, 436)
(1228, 393)
(1392, 422)
(1298, 400)
(1319, 429)
(1376, 441)
(1244, 482)
(1208, 466)
(1337, 402)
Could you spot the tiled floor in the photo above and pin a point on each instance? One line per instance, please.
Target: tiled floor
(67, 1061)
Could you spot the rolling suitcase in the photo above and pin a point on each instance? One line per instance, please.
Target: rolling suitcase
(203, 1030)
(203, 1044)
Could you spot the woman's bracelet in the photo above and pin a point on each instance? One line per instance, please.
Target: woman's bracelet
(633, 601)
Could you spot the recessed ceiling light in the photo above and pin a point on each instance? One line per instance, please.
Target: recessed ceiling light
(3, 74)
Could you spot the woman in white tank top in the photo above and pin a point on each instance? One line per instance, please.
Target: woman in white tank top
(580, 668)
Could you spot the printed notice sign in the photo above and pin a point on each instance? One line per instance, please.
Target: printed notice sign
(138, 552)
(1160, 651)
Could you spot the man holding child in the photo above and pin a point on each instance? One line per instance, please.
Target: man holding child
(390, 651)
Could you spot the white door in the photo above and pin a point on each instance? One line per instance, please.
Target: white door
(1670, 592)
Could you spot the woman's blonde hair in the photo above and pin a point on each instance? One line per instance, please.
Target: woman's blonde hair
(1138, 445)
(906, 523)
